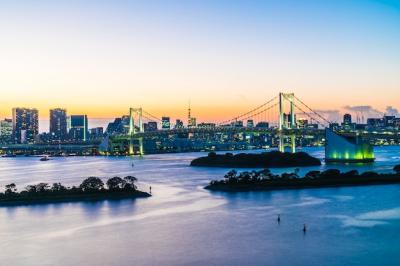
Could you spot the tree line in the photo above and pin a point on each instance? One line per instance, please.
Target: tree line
(89, 185)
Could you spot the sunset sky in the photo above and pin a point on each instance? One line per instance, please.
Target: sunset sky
(102, 57)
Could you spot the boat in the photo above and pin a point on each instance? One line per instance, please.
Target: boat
(45, 158)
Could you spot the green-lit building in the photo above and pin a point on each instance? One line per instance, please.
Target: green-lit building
(340, 148)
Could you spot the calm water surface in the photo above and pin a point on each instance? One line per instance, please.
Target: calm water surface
(183, 224)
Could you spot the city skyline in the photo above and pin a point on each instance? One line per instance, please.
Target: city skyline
(100, 58)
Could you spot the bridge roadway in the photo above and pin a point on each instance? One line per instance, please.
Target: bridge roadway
(48, 147)
(273, 131)
(215, 130)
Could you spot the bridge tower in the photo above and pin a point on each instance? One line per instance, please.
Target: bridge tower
(132, 131)
(286, 125)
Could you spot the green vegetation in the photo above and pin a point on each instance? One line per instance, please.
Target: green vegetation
(92, 188)
(265, 180)
(262, 160)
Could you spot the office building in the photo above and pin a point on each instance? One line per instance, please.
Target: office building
(6, 127)
(25, 125)
(152, 126)
(346, 119)
(250, 123)
(78, 127)
(165, 123)
(96, 133)
(179, 124)
(262, 125)
(58, 124)
(192, 122)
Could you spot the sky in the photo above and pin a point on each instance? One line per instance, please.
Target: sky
(226, 57)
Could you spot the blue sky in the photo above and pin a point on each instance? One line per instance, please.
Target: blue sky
(101, 57)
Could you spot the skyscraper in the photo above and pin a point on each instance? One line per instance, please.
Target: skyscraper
(6, 130)
(78, 127)
(58, 124)
(165, 122)
(25, 125)
(178, 124)
(347, 119)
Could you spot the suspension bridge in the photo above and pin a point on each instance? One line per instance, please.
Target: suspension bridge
(283, 111)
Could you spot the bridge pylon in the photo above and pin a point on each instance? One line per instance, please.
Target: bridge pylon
(286, 124)
(133, 131)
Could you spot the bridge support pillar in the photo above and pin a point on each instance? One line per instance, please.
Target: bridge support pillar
(132, 131)
(285, 124)
(293, 143)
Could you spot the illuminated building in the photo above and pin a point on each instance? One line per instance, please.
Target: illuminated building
(78, 127)
(152, 126)
(206, 125)
(165, 122)
(6, 127)
(302, 123)
(96, 133)
(58, 124)
(25, 125)
(347, 119)
(192, 122)
(178, 124)
(347, 148)
(262, 125)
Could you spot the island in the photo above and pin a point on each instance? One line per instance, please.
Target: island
(261, 160)
(265, 180)
(91, 189)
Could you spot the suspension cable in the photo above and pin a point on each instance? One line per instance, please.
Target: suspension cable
(320, 116)
(307, 114)
(249, 112)
(150, 115)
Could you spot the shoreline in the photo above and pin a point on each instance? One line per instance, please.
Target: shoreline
(265, 181)
(274, 159)
(89, 197)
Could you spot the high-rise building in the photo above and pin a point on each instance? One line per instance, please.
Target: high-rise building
(58, 124)
(262, 125)
(374, 123)
(250, 123)
(6, 127)
(206, 125)
(302, 123)
(78, 127)
(152, 126)
(6, 130)
(178, 124)
(192, 122)
(347, 119)
(165, 123)
(388, 120)
(25, 125)
(96, 133)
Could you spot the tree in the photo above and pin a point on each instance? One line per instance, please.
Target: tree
(212, 154)
(397, 169)
(42, 187)
(92, 184)
(38, 188)
(116, 183)
(10, 188)
(57, 187)
(130, 182)
(231, 174)
(313, 174)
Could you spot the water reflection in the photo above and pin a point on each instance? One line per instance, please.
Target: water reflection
(183, 224)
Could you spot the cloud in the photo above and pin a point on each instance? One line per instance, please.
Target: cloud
(390, 110)
(366, 109)
(330, 115)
